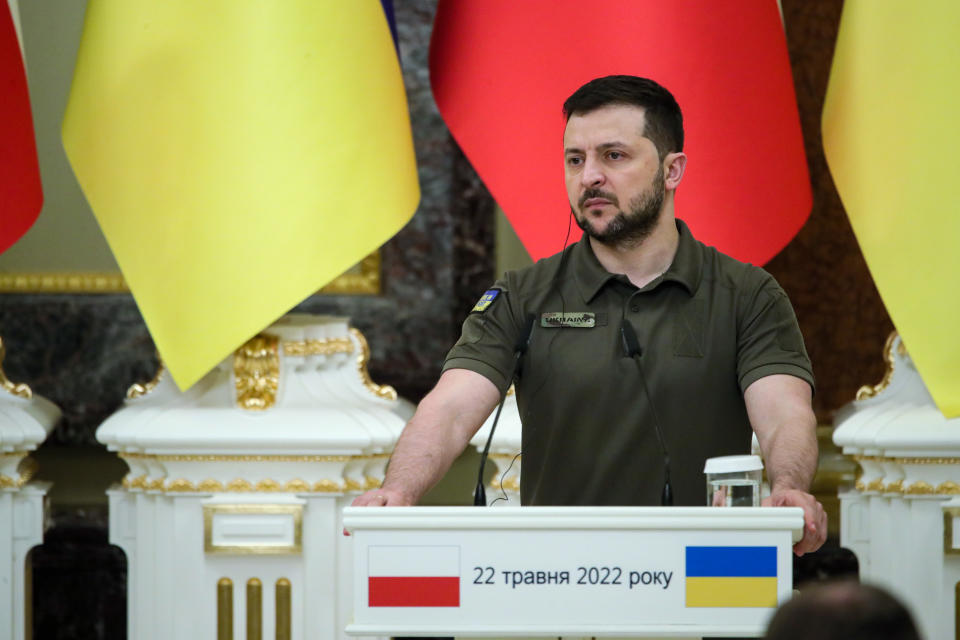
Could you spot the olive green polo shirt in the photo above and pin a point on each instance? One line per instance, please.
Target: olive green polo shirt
(707, 328)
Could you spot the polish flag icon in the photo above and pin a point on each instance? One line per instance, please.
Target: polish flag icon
(413, 576)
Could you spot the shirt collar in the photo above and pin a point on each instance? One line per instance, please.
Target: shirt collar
(685, 268)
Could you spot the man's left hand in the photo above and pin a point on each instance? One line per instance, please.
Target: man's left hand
(814, 517)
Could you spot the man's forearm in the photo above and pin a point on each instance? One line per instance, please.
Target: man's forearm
(421, 457)
(440, 429)
(791, 454)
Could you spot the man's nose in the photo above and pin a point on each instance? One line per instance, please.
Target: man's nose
(592, 175)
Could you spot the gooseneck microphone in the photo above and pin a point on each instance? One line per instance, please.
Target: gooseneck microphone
(520, 348)
(631, 349)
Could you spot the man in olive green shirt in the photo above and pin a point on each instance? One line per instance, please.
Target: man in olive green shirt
(646, 343)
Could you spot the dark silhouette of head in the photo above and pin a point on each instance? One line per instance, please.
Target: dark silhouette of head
(844, 610)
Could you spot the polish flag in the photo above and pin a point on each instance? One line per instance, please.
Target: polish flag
(400, 576)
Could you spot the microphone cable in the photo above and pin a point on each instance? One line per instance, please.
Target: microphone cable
(631, 349)
(523, 342)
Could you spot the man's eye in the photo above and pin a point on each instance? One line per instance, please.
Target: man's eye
(614, 155)
(573, 161)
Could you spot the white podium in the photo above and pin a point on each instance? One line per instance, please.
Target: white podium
(570, 571)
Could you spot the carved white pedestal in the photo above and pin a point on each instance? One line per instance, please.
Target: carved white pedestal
(25, 421)
(230, 515)
(899, 517)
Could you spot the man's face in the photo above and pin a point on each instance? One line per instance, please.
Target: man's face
(614, 177)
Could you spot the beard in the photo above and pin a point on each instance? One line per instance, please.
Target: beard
(630, 227)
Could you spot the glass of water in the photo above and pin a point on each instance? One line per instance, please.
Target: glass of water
(734, 481)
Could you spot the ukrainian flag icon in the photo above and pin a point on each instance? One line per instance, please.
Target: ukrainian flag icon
(731, 576)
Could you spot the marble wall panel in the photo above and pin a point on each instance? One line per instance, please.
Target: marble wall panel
(823, 271)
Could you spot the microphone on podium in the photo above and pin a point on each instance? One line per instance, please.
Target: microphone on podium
(631, 349)
(521, 346)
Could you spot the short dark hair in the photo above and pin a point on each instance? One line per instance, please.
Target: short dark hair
(844, 610)
(663, 122)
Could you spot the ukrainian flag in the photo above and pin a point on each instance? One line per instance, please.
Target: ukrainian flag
(731, 576)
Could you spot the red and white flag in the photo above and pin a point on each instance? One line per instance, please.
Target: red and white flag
(402, 576)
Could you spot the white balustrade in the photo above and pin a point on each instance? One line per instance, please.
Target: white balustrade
(230, 515)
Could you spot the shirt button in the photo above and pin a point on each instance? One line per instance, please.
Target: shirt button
(635, 308)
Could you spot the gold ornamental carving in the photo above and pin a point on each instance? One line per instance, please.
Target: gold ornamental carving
(210, 486)
(875, 485)
(327, 486)
(380, 391)
(372, 483)
(267, 485)
(361, 279)
(894, 487)
(181, 484)
(860, 485)
(19, 390)
(296, 486)
(256, 368)
(353, 485)
(947, 461)
(871, 391)
(239, 485)
(244, 458)
(317, 347)
(25, 471)
(138, 390)
(920, 488)
(63, 282)
(949, 488)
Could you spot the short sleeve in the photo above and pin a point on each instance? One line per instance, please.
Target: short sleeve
(768, 339)
(486, 344)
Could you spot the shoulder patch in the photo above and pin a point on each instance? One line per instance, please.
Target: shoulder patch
(485, 301)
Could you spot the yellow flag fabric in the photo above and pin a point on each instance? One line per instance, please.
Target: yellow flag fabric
(891, 134)
(238, 155)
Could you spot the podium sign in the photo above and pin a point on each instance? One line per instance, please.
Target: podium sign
(580, 571)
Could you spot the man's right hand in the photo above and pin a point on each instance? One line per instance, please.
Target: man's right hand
(381, 498)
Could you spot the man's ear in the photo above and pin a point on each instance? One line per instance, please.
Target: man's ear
(673, 167)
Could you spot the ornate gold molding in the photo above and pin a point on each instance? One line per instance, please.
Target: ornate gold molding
(25, 471)
(296, 486)
(949, 488)
(860, 485)
(353, 485)
(894, 487)
(381, 391)
(242, 458)
(242, 485)
(361, 279)
(63, 282)
(210, 485)
(211, 511)
(950, 461)
(870, 391)
(138, 390)
(875, 485)
(19, 390)
(372, 483)
(920, 488)
(317, 347)
(256, 368)
(180, 484)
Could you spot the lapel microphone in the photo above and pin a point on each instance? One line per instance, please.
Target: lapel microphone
(520, 348)
(631, 349)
